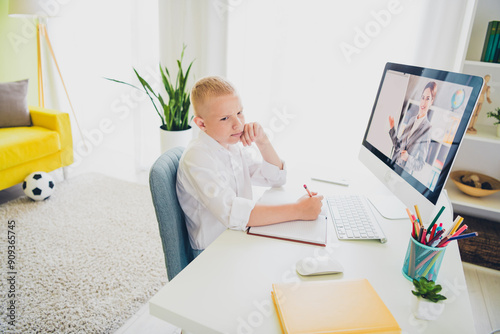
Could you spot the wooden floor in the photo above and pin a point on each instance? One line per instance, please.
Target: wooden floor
(484, 294)
(483, 285)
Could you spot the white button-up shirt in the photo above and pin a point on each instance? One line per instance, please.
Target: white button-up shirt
(214, 186)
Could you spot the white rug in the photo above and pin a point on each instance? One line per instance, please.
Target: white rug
(86, 259)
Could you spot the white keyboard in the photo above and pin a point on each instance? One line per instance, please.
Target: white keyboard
(353, 218)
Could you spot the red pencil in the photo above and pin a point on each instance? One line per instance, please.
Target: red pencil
(460, 230)
(422, 240)
(305, 187)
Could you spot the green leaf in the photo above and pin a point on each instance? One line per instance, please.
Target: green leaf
(121, 82)
(148, 89)
(175, 114)
(427, 289)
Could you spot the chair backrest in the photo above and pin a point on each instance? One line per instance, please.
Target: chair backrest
(171, 223)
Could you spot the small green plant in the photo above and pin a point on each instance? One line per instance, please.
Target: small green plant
(427, 290)
(495, 114)
(175, 115)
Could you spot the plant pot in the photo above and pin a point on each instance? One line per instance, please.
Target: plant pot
(171, 139)
(498, 130)
(426, 310)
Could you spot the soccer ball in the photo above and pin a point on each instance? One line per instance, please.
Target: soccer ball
(38, 186)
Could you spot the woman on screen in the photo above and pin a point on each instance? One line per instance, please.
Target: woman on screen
(410, 149)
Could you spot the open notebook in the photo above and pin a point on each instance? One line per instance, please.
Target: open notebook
(310, 231)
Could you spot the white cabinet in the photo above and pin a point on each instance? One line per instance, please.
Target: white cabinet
(480, 152)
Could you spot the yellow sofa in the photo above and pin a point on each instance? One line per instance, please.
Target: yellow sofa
(45, 146)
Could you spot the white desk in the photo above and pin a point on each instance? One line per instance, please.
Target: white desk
(227, 289)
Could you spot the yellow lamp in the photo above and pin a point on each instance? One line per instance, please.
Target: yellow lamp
(40, 11)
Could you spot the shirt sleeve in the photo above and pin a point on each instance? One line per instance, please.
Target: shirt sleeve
(207, 184)
(263, 173)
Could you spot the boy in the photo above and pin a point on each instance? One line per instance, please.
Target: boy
(216, 172)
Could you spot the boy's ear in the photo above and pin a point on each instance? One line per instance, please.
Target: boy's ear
(199, 122)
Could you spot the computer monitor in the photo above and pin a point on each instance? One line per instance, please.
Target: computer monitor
(429, 111)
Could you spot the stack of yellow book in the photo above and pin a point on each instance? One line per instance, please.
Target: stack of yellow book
(332, 307)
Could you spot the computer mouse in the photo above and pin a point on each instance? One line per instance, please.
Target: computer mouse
(310, 266)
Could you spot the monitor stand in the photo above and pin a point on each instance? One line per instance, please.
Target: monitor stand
(389, 206)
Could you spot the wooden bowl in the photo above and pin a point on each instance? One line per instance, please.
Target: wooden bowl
(473, 191)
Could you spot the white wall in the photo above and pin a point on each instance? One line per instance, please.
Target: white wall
(96, 39)
(285, 57)
(309, 71)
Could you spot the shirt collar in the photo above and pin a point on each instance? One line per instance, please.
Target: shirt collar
(212, 143)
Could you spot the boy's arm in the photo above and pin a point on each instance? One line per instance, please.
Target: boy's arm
(253, 132)
(306, 208)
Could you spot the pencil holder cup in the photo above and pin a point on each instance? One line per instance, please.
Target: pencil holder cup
(422, 261)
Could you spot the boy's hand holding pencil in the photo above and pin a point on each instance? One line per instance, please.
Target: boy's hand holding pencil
(310, 205)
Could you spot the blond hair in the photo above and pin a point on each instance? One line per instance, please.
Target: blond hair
(209, 87)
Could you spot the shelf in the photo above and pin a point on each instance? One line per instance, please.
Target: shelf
(485, 133)
(478, 152)
(489, 206)
(482, 64)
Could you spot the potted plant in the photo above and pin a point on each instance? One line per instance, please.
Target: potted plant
(173, 111)
(428, 304)
(495, 114)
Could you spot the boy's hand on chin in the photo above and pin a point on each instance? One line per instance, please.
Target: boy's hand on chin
(253, 132)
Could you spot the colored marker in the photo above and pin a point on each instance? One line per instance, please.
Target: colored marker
(440, 227)
(433, 232)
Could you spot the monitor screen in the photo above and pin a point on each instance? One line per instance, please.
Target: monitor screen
(417, 123)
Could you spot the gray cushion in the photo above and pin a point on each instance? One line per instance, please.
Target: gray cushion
(14, 104)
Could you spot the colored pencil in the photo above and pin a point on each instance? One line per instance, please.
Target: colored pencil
(443, 241)
(308, 192)
(436, 218)
(422, 239)
(418, 216)
(460, 231)
(463, 236)
(455, 222)
(460, 220)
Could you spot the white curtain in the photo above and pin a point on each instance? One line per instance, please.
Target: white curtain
(94, 40)
(199, 25)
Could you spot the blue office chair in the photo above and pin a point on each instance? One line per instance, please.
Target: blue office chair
(171, 223)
